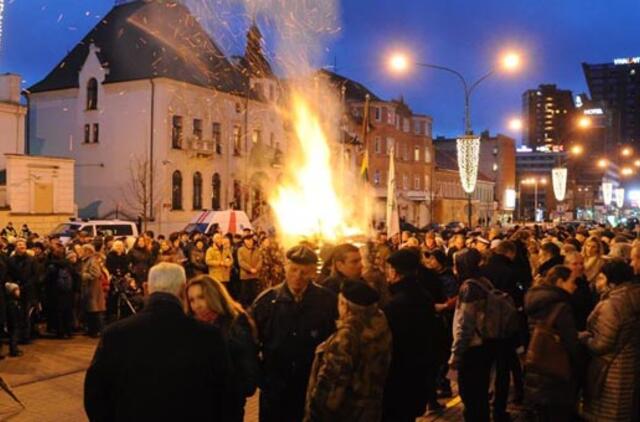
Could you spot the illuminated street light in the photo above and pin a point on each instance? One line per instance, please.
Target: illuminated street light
(584, 122)
(515, 124)
(399, 63)
(511, 61)
(636, 163)
(626, 151)
(576, 150)
(603, 162)
(626, 171)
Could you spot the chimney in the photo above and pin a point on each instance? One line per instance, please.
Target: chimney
(10, 88)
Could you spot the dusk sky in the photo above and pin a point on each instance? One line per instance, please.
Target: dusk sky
(555, 37)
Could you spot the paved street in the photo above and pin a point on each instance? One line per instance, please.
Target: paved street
(48, 379)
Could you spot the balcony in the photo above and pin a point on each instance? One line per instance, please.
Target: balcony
(201, 146)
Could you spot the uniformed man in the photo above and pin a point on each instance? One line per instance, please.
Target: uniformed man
(349, 372)
(292, 318)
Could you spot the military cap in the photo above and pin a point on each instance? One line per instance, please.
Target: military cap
(404, 260)
(302, 255)
(359, 293)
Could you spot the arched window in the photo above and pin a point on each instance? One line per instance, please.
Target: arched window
(215, 192)
(92, 94)
(176, 191)
(197, 191)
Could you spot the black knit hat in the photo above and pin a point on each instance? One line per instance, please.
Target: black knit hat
(404, 260)
(302, 255)
(359, 293)
(440, 256)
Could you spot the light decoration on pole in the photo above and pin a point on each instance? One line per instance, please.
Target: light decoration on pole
(619, 195)
(1, 17)
(559, 177)
(607, 192)
(468, 147)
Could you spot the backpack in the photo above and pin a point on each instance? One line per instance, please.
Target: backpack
(64, 280)
(546, 354)
(501, 319)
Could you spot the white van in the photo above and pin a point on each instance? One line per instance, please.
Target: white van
(227, 221)
(116, 228)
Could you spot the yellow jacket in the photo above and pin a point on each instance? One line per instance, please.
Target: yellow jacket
(219, 262)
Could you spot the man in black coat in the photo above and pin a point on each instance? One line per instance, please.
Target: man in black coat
(159, 365)
(292, 318)
(500, 270)
(22, 271)
(411, 317)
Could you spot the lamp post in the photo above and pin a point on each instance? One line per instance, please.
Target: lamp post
(468, 145)
(534, 181)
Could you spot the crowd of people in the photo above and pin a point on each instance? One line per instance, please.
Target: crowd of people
(545, 317)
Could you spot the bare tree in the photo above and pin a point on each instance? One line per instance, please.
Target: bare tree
(140, 193)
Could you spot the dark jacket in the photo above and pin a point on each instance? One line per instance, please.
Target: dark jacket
(548, 264)
(615, 328)
(139, 263)
(61, 283)
(288, 334)
(22, 271)
(158, 365)
(3, 300)
(582, 303)
(118, 265)
(431, 283)
(334, 282)
(411, 317)
(539, 303)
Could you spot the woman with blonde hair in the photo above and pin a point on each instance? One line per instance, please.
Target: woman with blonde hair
(593, 252)
(209, 302)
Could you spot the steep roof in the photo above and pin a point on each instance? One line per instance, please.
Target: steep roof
(145, 39)
(355, 90)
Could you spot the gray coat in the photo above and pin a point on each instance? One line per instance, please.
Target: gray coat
(92, 293)
(615, 328)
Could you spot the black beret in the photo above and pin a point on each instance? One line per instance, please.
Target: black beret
(302, 255)
(404, 260)
(440, 256)
(359, 293)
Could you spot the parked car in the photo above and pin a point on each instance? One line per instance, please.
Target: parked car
(117, 228)
(228, 221)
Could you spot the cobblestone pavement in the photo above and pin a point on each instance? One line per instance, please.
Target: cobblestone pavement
(49, 379)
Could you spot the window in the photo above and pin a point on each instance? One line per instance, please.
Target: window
(256, 138)
(197, 128)
(96, 133)
(417, 127)
(215, 192)
(390, 145)
(115, 229)
(427, 155)
(416, 153)
(405, 152)
(405, 182)
(92, 94)
(176, 132)
(87, 133)
(197, 191)
(376, 177)
(377, 113)
(390, 116)
(416, 182)
(406, 125)
(495, 166)
(216, 137)
(427, 129)
(176, 191)
(237, 195)
(377, 143)
(272, 140)
(237, 139)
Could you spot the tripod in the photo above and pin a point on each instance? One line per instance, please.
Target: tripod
(122, 301)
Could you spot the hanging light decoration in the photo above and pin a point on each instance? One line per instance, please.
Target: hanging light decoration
(559, 177)
(607, 192)
(619, 195)
(468, 147)
(1, 17)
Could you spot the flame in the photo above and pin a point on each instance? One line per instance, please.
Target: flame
(307, 204)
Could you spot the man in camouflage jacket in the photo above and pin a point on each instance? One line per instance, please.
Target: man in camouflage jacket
(350, 368)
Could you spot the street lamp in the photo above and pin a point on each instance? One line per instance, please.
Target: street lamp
(468, 145)
(515, 124)
(534, 181)
(584, 122)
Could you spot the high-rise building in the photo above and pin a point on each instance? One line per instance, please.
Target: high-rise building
(617, 85)
(547, 112)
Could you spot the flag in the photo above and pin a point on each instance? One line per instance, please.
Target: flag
(393, 217)
(364, 169)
